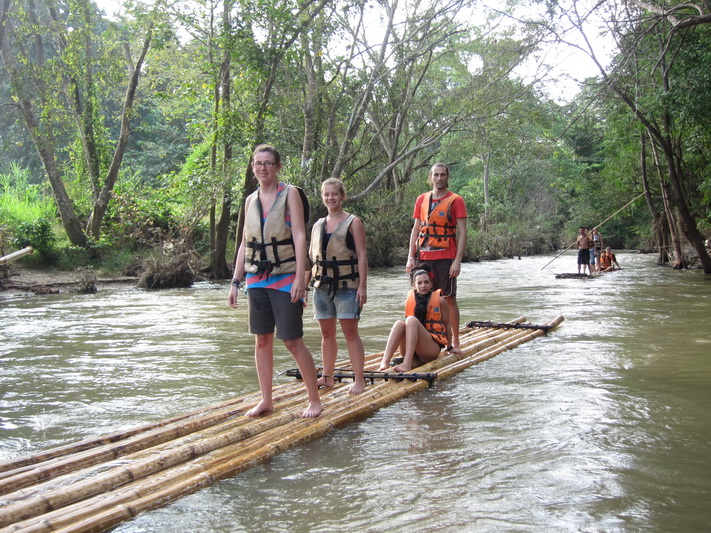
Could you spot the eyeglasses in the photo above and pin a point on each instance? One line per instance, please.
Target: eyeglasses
(267, 164)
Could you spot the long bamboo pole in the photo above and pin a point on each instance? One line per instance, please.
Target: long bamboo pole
(595, 226)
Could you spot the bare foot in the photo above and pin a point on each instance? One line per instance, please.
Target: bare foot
(326, 382)
(357, 387)
(262, 408)
(403, 367)
(385, 363)
(313, 410)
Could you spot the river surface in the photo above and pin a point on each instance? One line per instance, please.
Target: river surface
(602, 425)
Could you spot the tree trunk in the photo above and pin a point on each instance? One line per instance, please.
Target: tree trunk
(674, 242)
(101, 204)
(41, 135)
(309, 143)
(485, 216)
(220, 269)
(660, 229)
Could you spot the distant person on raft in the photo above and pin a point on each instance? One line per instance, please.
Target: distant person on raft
(608, 261)
(584, 244)
(274, 257)
(596, 250)
(426, 330)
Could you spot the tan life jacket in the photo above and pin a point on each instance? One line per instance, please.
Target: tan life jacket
(437, 226)
(337, 268)
(269, 243)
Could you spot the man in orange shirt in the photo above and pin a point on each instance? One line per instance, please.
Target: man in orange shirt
(439, 234)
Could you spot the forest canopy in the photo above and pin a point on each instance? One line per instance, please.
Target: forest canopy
(132, 133)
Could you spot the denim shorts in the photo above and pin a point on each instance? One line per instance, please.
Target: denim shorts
(342, 306)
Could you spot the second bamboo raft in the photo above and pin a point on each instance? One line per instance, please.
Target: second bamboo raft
(96, 484)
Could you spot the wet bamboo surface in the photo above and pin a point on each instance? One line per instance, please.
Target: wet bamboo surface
(96, 484)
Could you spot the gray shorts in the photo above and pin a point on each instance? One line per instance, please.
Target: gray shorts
(269, 308)
(342, 306)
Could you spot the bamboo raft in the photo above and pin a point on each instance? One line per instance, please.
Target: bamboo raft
(96, 484)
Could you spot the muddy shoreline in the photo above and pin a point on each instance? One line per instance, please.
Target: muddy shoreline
(19, 280)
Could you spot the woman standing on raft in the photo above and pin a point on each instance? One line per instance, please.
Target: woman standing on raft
(273, 256)
(425, 330)
(339, 276)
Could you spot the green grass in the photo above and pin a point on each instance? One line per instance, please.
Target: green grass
(21, 201)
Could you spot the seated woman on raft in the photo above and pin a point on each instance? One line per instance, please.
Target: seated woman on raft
(425, 331)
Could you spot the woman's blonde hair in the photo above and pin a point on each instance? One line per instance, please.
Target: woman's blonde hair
(337, 182)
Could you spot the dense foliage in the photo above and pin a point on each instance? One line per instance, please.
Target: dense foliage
(135, 133)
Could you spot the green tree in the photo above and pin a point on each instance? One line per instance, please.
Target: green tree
(650, 76)
(50, 55)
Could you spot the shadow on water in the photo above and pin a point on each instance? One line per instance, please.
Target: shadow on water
(600, 426)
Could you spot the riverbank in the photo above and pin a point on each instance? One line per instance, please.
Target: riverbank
(17, 279)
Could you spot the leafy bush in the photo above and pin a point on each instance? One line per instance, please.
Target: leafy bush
(39, 235)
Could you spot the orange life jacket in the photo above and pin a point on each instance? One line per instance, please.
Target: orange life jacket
(434, 323)
(606, 260)
(437, 226)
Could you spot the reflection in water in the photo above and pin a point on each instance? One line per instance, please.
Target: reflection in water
(600, 426)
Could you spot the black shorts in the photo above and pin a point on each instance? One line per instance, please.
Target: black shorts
(440, 269)
(583, 256)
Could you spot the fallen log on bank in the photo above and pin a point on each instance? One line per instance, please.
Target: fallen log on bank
(96, 484)
(16, 255)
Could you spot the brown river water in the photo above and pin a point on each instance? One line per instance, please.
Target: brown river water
(602, 425)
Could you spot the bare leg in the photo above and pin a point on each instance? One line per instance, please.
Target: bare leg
(329, 349)
(397, 335)
(305, 362)
(264, 359)
(419, 341)
(356, 354)
(453, 319)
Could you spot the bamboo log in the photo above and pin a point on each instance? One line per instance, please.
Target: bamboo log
(229, 447)
(16, 255)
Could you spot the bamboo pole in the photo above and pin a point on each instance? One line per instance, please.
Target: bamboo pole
(230, 449)
(16, 255)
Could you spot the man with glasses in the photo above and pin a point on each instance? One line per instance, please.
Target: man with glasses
(273, 256)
